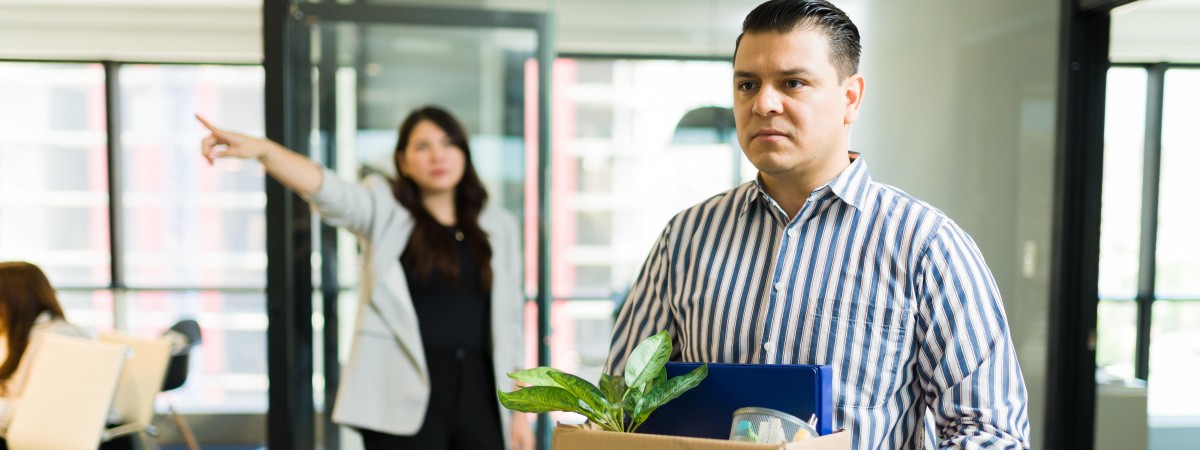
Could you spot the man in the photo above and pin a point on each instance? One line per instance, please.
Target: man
(815, 263)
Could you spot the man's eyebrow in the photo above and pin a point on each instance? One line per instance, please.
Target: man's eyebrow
(797, 71)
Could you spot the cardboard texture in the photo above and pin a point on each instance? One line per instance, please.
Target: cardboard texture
(574, 437)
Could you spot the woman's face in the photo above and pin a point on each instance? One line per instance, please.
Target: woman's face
(432, 160)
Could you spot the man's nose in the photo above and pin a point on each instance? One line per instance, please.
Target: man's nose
(767, 102)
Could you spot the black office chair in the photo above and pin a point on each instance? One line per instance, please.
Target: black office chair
(184, 335)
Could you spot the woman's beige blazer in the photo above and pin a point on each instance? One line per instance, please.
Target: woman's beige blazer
(385, 382)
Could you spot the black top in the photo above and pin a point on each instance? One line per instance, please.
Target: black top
(452, 316)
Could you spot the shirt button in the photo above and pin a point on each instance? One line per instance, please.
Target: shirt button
(793, 232)
(779, 286)
(770, 346)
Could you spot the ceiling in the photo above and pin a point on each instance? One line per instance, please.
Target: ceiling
(229, 30)
(1156, 31)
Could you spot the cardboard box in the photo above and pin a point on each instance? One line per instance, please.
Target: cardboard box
(575, 437)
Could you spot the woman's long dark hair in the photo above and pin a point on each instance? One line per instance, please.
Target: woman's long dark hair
(25, 293)
(431, 249)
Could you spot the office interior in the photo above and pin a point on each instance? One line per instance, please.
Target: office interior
(1058, 133)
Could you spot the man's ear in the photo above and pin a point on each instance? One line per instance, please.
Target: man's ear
(854, 86)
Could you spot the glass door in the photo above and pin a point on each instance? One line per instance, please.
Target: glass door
(356, 71)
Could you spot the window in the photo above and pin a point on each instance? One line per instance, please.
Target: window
(1175, 330)
(1171, 297)
(620, 173)
(53, 177)
(1120, 220)
(191, 241)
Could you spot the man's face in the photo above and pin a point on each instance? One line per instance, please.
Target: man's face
(790, 107)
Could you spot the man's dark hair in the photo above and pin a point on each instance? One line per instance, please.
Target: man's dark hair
(785, 16)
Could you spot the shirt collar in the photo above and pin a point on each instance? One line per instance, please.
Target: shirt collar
(851, 185)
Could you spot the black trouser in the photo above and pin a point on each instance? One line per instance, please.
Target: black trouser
(463, 412)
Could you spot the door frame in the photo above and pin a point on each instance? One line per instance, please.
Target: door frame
(287, 62)
(1070, 408)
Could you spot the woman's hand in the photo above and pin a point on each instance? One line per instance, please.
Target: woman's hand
(222, 143)
(292, 169)
(522, 433)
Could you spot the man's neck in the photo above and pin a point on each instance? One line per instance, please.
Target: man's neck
(791, 190)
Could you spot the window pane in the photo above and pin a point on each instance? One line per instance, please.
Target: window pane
(187, 224)
(53, 170)
(1121, 211)
(92, 310)
(1116, 334)
(618, 151)
(1174, 359)
(228, 370)
(616, 143)
(579, 345)
(1178, 243)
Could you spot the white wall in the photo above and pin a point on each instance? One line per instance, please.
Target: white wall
(960, 111)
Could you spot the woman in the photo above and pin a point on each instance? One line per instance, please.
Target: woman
(28, 310)
(439, 322)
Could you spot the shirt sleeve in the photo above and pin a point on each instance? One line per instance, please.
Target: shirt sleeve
(645, 310)
(967, 365)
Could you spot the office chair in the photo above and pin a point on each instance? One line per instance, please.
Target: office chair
(184, 336)
(71, 387)
(141, 381)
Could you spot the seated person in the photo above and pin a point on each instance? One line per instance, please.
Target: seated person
(28, 309)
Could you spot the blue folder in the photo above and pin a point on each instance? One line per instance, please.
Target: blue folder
(707, 410)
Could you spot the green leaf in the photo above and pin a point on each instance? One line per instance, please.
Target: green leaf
(587, 394)
(663, 393)
(539, 399)
(597, 417)
(537, 376)
(648, 359)
(631, 398)
(657, 381)
(613, 388)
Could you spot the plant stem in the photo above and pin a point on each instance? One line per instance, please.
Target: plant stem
(624, 397)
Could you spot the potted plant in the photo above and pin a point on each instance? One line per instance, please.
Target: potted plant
(620, 403)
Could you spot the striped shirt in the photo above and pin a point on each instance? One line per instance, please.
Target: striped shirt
(867, 279)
